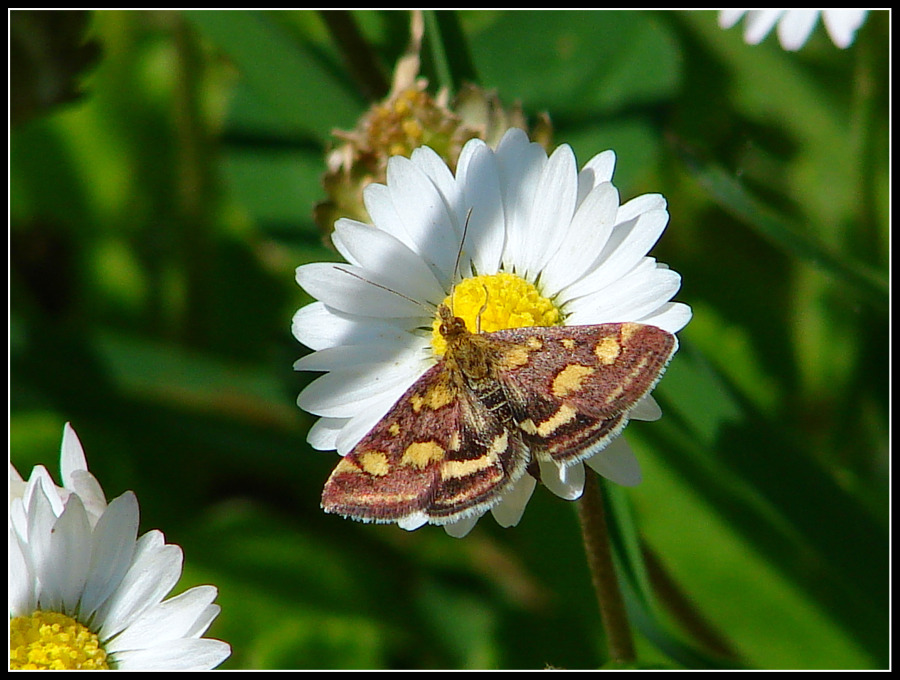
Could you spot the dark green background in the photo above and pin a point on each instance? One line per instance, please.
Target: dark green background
(158, 210)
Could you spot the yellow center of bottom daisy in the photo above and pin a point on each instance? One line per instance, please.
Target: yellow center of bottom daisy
(493, 302)
(53, 641)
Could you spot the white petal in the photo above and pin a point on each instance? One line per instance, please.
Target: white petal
(646, 409)
(322, 436)
(729, 17)
(434, 167)
(565, 482)
(71, 455)
(554, 206)
(378, 251)
(617, 463)
(672, 317)
(169, 620)
(478, 177)
(112, 549)
(351, 289)
(88, 488)
(639, 205)
(413, 522)
(359, 387)
(380, 206)
(20, 579)
(154, 571)
(632, 297)
(510, 509)
(204, 620)
(319, 327)
(461, 528)
(425, 216)
(521, 163)
(628, 243)
(595, 172)
(187, 655)
(41, 482)
(795, 27)
(41, 519)
(759, 23)
(842, 24)
(70, 545)
(588, 234)
(14, 476)
(347, 356)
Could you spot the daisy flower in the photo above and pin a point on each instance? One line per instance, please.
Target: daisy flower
(795, 25)
(85, 592)
(545, 243)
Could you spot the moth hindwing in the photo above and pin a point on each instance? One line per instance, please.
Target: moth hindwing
(469, 427)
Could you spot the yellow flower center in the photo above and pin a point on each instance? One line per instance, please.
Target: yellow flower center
(53, 641)
(493, 302)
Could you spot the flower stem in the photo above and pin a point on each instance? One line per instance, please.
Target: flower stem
(597, 545)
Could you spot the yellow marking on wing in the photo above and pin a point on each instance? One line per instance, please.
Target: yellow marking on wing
(565, 414)
(346, 466)
(628, 330)
(608, 350)
(499, 445)
(416, 401)
(394, 429)
(420, 454)
(570, 379)
(568, 343)
(437, 396)
(375, 463)
(514, 357)
(534, 343)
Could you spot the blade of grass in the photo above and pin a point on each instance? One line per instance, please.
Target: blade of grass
(737, 201)
(448, 50)
(635, 583)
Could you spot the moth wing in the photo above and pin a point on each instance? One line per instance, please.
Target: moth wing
(438, 455)
(572, 387)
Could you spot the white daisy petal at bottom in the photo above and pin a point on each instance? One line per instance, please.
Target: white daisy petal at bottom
(566, 481)
(617, 463)
(509, 511)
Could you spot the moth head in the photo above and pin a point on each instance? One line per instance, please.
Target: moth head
(451, 326)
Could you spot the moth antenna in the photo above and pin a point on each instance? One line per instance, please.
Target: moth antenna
(389, 290)
(462, 243)
(456, 272)
(483, 307)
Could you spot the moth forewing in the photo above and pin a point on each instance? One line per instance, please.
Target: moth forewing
(439, 452)
(571, 388)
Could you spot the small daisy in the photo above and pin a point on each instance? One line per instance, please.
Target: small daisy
(85, 592)
(548, 244)
(795, 25)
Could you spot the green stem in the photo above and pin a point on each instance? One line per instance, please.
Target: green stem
(598, 548)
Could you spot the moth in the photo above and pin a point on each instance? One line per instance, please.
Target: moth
(489, 410)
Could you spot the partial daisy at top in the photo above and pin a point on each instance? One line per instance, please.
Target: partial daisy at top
(546, 244)
(85, 592)
(794, 26)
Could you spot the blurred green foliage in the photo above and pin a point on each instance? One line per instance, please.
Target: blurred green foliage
(156, 220)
